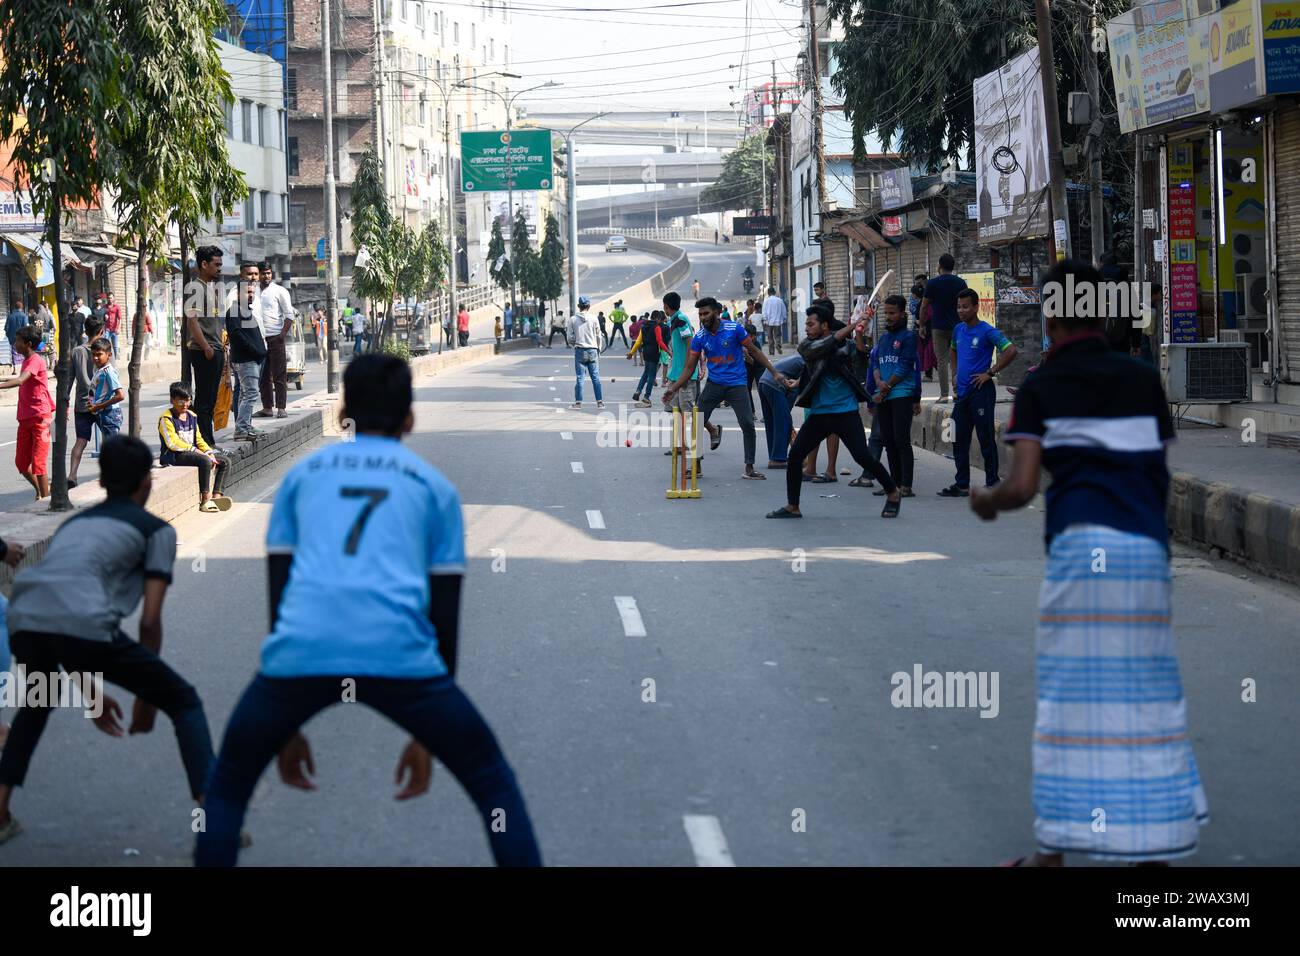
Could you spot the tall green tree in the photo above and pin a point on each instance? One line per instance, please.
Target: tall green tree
(61, 75)
(550, 262)
(168, 138)
(498, 262)
(906, 67)
(740, 186)
(376, 275)
(523, 258)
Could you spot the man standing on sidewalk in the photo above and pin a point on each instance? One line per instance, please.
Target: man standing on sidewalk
(584, 333)
(83, 376)
(247, 350)
(277, 320)
(112, 322)
(204, 319)
(17, 319)
(973, 345)
(939, 315)
(774, 316)
(724, 344)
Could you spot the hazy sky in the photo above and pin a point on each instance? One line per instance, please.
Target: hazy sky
(644, 54)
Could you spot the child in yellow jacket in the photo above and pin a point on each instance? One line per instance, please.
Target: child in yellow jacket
(183, 444)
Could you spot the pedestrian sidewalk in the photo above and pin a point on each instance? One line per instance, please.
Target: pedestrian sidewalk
(1239, 498)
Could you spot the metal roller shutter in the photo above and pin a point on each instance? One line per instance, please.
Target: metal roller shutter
(1286, 166)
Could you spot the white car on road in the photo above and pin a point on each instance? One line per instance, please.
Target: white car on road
(616, 244)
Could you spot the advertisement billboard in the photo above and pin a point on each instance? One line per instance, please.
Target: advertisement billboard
(1011, 172)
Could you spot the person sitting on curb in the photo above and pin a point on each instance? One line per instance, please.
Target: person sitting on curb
(182, 444)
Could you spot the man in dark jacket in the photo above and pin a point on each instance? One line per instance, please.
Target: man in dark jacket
(829, 391)
(247, 350)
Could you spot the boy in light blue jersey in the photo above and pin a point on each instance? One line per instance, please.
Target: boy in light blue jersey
(366, 553)
(898, 392)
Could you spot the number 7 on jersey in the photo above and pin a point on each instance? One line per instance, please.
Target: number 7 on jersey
(374, 496)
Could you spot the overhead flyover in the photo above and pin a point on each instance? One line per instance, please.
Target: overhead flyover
(694, 129)
(630, 210)
(669, 168)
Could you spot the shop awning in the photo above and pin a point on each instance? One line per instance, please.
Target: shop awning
(865, 236)
(35, 255)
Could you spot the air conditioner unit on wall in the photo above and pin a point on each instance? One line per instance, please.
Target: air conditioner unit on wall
(1208, 372)
(1252, 297)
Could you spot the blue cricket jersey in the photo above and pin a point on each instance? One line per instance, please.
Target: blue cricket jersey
(367, 523)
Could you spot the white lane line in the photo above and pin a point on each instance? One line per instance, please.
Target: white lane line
(577, 467)
(552, 388)
(556, 399)
(558, 411)
(633, 626)
(707, 842)
(595, 520)
(8, 443)
(567, 436)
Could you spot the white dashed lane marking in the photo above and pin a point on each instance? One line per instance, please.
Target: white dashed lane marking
(707, 842)
(633, 626)
(595, 520)
(567, 436)
(577, 467)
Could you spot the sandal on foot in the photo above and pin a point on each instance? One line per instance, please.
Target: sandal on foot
(223, 503)
(891, 509)
(782, 513)
(714, 442)
(861, 482)
(880, 492)
(756, 476)
(953, 491)
(209, 507)
(909, 493)
(824, 479)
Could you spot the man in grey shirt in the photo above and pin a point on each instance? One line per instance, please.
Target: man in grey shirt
(83, 372)
(67, 612)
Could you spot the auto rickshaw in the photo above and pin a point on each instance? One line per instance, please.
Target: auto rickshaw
(295, 353)
(412, 328)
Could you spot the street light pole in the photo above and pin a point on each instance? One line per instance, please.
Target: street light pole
(331, 220)
(572, 204)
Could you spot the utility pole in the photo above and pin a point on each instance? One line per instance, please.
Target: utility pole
(450, 207)
(510, 216)
(776, 111)
(379, 133)
(1093, 80)
(1056, 165)
(331, 214)
(571, 174)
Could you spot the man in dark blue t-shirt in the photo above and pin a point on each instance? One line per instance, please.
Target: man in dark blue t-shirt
(939, 314)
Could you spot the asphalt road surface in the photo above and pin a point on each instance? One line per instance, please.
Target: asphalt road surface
(770, 645)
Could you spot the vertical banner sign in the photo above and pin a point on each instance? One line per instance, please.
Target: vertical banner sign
(982, 283)
(1182, 293)
(1281, 23)
(1011, 173)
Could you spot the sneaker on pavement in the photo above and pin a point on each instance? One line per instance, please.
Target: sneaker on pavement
(600, 404)
(576, 405)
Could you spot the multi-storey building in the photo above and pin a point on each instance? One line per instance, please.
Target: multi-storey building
(435, 72)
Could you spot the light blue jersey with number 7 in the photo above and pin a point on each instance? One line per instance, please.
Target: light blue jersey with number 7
(367, 523)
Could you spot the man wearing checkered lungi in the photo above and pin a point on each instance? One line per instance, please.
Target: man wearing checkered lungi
(1114, 772)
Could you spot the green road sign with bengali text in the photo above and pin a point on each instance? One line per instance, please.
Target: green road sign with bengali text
(488, 166)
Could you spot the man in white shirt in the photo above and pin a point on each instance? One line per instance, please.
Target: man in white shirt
(276, 311)
(774, 316)
(584, 333)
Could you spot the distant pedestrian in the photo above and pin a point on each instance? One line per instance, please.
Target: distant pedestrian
(938, 314)
(17, 319)
(83, 374)
(617, 318)
(107, 393)
(35, 412)
(205, 310)
(508, 322)
(584, 333)
(974, 343)
(774, 319)
(247, 353)
(447, 329)
(276, 312)
(650, 341)
(924, 343)
(358, 332)
(1111, 728)
(820, 298)
(462, 326)
(695, 288)
(558, 325)
(112, 322)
